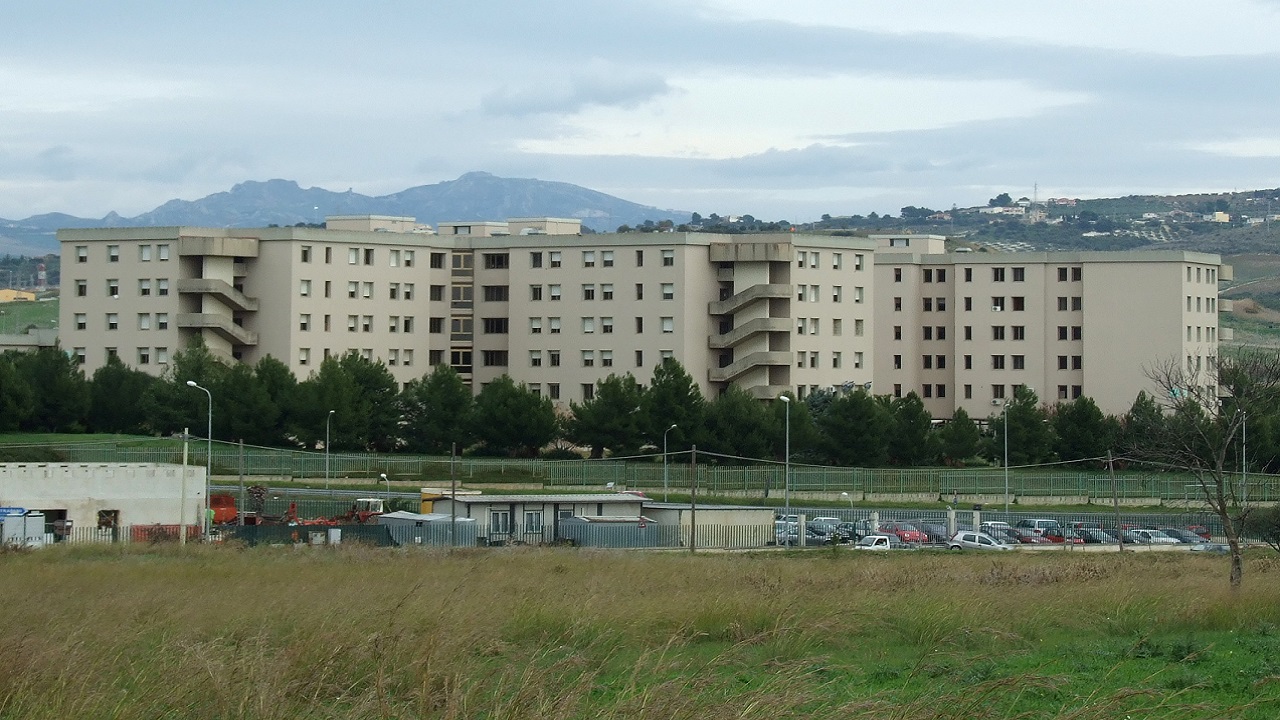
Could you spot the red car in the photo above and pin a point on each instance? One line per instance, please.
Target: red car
(1070, 537)
(906, 532)
(1200, 530)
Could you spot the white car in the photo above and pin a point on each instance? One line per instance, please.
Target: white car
(877, 542)
(971, 540)
(1151, 537)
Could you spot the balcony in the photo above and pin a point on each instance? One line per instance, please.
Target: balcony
(1226, 334)
(220, 289)
(1225, 305)
(221, 324)
(748, 329)
(750, 362)
(750, 295)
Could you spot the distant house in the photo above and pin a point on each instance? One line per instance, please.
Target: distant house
(534, 519)
(9, 295)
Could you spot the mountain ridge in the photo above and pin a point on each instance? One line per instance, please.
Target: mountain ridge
(475, 195)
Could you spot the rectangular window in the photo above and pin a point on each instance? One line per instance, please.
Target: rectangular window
(859, 327)
(668, 291)
(535, 326)
(897, 275)
(928, 275)
(668, 324)
(144, 321)
(408, 323)
(497, 261)
(588, 325)
(304, 288)
(435, 325)
(496, 293)
(144, 288)
(82, 322)
(554, 292)
(639, 258)
(113, 253)
(1019, 362)
(1019, 274)
(588, 258)
(553, 325)
(535, 259)
(639, 325)
(997, 332)
(1019, 304)
(113, 321)
(1062, 277)
(353, 289)
(393, 291)
(144, 253)
(535, 293)
(836, 293)
(1077, 274)
(366, 323)
(1062, 362)
(553, 358)
(997, 304)
(366, 290)
(835, 360)
(368, 256)
(589, 292)
(1019, 332)
(668, 258)
(639, 358)
(82, 288)
(606, 291)
(1077, 332)
(928, 332)
(968, 332)
(639, 291)
(1062, 332)
(968, 362)
(162, 321)
(1062, 304)
(493, 358)
(554, 257)
(606, 325)
(588, 358)
(304, 322)
(606, 258)
(997, 362)
(1077, 303)
(1077, 362)
(113, 288)
(393, 258)
(494, 326)
(82, 253)
(968, 274)
(535, 358)
(353, 256)
(606, 358)
(997, 274)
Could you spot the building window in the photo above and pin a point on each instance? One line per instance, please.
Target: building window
(997, 332)
(1077, 332)
(1062, 277)
(553, 358)
(113, 253)
(589, 292)
(553, 292)
(1062, 362)
(639, 291)
(304, 288)
(897, 304)
(144, 288)
(1019, 304)
(1077, 363)
(606, 258)
(606, 325)
(144, 321)
(639, 325)
(1062, 304)
(997, 274)
(897, 274)
(836, 293)
(997, 362)
(82, 322)
(82, 253)
(1019, 362)
(859, 327)
(588, 258)
(535, 358)
(554, 257)
(535, 259)
(668, 291)
(435, 325)
(1077, 303)
(496, 293)
(113, 321)
(82, 288)
(606, 358)
(367, 290)
(1019, 332)
(304, 322)
(493, 358)
(1019, 274)
(496, 261)
(897, 362)
(588, 358)
(668, 325)
(639, 358)
(668, 258)
(162, 321)
(535, 326)
(492, 326)
(162, 287)
(588, 325)
(606, 291)
(968, 362)
(113, 288)
(554, 324)
(535, 293)
(144, 253)
(1077, 274)
(968, 332)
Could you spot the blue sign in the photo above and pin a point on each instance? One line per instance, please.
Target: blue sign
(13, 511)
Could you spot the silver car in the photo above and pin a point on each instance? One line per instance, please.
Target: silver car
(971, 540)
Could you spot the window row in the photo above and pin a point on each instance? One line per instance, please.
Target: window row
(812, 359)
(146, 287)
(666, 324)
(112, 321)
(145, 253)
(1202, 334)
(813, 259)
(811, 326)
(555, 258)
(1208, 304)
(1208, 275)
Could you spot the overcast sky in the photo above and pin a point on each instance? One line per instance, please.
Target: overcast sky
(785, 109)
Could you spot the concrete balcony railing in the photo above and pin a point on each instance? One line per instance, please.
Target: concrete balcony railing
(1227, 334)
(747, 330)
(750, 362)
(221, 324)
(768, 392)
(220, 289)
(750, 295)
(1225, 305)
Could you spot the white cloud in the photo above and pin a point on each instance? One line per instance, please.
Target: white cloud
(1252, 147)
(1172, 27)
(732, 116)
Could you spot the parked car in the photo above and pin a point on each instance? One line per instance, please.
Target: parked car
(1209, 547)
(1151, 537)
(1005, 535)
(1063, 535)
(935, 532)
(1027, 536)
(989, 525)
(880, 542)
(1096, 536)
(1200, 530)
(855, 529)
(972, 540)
(1183, 536)
(831, 527)
(905, 531)
(1039, 525)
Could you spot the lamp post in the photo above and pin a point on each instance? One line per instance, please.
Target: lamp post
(1004, 416)
(208, 454)
(327, 418)
(388, 482)
(665, 482)
(848, 497)
(786, 467)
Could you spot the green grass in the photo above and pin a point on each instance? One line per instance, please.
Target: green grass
(17, 316)
(537, 633)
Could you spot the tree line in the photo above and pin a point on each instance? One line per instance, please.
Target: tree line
(265, 404)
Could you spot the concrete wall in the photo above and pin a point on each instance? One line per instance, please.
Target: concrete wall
(144, 494)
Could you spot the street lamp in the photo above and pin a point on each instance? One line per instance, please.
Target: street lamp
(327, 418)
(848, 497)
(1004, 417)
(388, 482)
(665, 482)
(208, 453)
(786, 471)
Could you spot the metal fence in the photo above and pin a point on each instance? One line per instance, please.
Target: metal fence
(649, 473)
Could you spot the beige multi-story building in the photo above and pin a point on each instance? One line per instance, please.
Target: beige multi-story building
(965, 329)
(530, 298)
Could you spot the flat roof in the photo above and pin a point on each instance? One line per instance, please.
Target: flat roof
(544, 499)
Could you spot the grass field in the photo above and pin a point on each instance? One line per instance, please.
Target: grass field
(223, 632)
(16, 317)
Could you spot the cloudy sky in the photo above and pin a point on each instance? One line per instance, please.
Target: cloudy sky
(778, 108)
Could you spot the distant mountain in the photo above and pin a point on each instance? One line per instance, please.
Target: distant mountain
(474, 196)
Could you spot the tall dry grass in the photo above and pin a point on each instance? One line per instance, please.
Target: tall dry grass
(223, 632)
